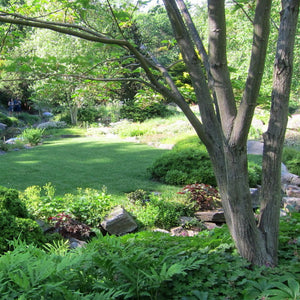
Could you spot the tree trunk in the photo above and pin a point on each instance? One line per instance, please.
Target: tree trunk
(274, 137)
(73, 114)
(232, 177)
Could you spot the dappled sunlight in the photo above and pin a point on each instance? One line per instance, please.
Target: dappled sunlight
(27, 162)
(81, 162)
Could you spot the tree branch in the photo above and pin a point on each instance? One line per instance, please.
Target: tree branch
(219, 66)
(193, 64)
(259, 48)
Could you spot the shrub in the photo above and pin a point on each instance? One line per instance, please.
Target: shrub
(138, 197)
(33, 135)
(291, 158)
(5, 120)
(139, 112)
(188, 162)
(9, 200)
(185, 166)
(29, 119)
(202, 196)
(15, 222)
(154, 210)
(88, 114)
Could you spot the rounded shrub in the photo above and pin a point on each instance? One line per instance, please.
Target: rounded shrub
(139, 112)
(9, 201)
(188, 162)
(15, 222)
(183, 167)
(88, 114)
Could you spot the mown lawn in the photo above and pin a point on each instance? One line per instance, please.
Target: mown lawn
(85, 162)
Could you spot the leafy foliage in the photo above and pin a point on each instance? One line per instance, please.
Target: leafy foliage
(145, 265)
(291, 158)
(88, 206)
(203, 196)
(188, 163)
(139, 112)
(186, 166)
(15, 221)
(33, 136)
(5, 120)
(10, 201)
(67, 226)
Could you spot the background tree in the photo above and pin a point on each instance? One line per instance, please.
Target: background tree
(224, 123)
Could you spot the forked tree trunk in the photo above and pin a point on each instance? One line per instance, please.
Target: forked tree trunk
(232, 179)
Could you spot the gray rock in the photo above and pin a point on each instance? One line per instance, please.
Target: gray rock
(2, 126)
(119, 222)
(291, 204)
(75, 243)
(215, 216)
(255, 197)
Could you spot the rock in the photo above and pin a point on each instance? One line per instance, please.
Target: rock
(2, 126)
(45, 226)
(293, 191)
(288, 178)
(291, 204)
(210, 225)
(161, 230)
(185, 220)
(180, 231)
(255, 197)
(119, 222)
(215, 216)
(75, 243)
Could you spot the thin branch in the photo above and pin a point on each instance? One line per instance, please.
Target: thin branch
(80, 76)
(5, 37)
(34, 21)
(244, 11)
(115, 19)
(261, 30)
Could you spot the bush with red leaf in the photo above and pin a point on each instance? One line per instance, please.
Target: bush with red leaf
(67, 226)
(202, 196)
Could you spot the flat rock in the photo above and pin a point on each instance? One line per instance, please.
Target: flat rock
(215, 216)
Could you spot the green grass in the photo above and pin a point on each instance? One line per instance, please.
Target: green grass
(85, 162)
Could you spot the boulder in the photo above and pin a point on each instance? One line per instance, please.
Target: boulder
(215, 216)
(291, 204)
(119, 222)
(293, 191)
(288, 178)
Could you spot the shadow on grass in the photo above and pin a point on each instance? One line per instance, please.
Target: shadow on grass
(81, 162)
